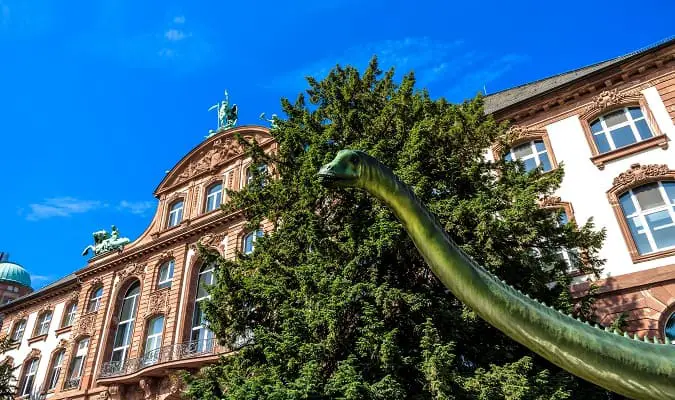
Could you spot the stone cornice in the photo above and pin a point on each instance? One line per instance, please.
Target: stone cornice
(161, 243)
(25, 304)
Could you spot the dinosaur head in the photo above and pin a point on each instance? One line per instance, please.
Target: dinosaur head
(345, 170)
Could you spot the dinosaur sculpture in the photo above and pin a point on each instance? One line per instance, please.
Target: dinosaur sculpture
(633, 367)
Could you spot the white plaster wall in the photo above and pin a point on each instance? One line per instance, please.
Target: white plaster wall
(585, 186)
(46, 347)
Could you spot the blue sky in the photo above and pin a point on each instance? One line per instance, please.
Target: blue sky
(98, 99)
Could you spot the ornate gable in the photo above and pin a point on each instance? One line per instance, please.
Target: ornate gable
(211, 154)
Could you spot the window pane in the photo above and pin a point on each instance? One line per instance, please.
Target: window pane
(156, 326)
(563, 219)
(643, 129)
(197, 316)
(670, 190)
(635, 112)
(615, 118)
(75, 367)
(120, 335)
(508, 157)
(127, 309)
(639, 235)
(530, 164)
(663, 229)
(623, 136)
(539, 145)
(523, 150)
(545, 162)
(602, 143)
(596, 126)
(648, 196)
(117, 356)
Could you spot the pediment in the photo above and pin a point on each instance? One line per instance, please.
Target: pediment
(211, 154)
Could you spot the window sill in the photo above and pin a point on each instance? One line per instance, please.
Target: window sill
(37, 338)
(63, 330)
(601, 159)
(652, 256)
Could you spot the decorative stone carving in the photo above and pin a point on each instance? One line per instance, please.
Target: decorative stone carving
(208, 159)
(146, 385)
(86, 325)
(73, 298)
(95, 282)
(104, 395)
(158, 302)
(62, 343)
(608, 98)
(173, 384)
(8, 360)
(34, 353)
(133, 269)
(46, 307)
(20, 315)
(550, 201)
(638, 174)
(165, 255)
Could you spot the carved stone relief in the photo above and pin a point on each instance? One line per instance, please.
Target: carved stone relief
(136, 269)
(608, 98)
(550, 201)
(85, 325)
(638, 174)
(147, 386)
(158, 302)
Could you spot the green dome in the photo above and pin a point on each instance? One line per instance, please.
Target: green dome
(14, 273)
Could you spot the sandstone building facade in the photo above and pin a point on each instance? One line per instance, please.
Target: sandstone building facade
(121, 326)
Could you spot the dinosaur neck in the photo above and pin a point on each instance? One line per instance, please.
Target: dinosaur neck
(629, 367)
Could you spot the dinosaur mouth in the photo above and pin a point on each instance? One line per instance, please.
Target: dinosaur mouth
(327, 178)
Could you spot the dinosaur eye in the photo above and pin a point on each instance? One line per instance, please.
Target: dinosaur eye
(355, 160)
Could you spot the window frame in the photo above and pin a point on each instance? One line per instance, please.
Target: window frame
(147, 360)
(171, 212)
(14, 330)
(169, 281)
(130, 322)
(96, 300)
(67, 314)
(627, 101)
(518, 135)
(41, 321)
(219, 195)
(71, 374)
(255, 234)
(637, 176)
(54, 371)
(208, 336)
(26, 373)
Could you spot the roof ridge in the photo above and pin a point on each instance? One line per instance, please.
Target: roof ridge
(616, 58)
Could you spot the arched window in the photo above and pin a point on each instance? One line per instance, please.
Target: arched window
(165, 275)
(69, 314)
(95, 299)
(28, 376)
(262, 169)
(42, 326)
(153, 340)
(214, 196)
(17, 330)
(125, 327)
(620, 128)
(55, 369)
(201, 336)
(77, 364)
(248, 244)
(649, 211)
(533, 154)
(175, 214)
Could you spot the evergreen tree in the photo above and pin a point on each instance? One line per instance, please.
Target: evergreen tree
(340, 303)
(7, 380)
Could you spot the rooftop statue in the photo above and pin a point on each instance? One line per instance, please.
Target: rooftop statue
(638, 368)
(105, 242)
(227, 116)
(272, 121)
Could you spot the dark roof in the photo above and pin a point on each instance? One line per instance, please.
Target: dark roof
(505, 98)
(66, 280)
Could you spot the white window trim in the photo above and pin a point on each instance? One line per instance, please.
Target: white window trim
(536, 154)
(130, 321)
(166, 282)
(15, 330)
(96, 300)
(173, 219)
(216, 196)
(669, 206)
(45, 319)
(630, 122)
(210, 268)
(55, 372)
(71, 311)
(255, 238)
(158, 337)
(31, 372)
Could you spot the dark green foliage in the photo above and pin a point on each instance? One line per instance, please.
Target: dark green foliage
(341, 304)
(7, 380)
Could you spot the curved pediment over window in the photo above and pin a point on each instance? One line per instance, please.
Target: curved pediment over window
(210, 155)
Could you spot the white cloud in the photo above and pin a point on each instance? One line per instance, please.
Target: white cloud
(61, 207)
(179, 20)
(136, 207)
(40, 278)
(175, 35)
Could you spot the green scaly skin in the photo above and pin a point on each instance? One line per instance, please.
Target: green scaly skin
(629, 366)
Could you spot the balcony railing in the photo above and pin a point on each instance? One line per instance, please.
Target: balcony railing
(180, 351)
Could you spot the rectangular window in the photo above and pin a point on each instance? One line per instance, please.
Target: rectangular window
(29, 377)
